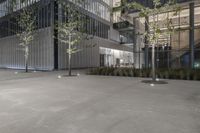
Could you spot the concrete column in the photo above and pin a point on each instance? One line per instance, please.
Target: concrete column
(134, 43)
(191, 36)
(137, 45)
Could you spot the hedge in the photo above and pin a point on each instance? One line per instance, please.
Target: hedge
(184, 74)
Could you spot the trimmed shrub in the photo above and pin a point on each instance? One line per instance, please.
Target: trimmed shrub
(161, 73)
(181, 75)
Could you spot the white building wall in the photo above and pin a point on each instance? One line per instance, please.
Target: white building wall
(88, 56)
(41, 52)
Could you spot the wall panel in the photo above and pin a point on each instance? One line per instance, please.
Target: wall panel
(41, 52)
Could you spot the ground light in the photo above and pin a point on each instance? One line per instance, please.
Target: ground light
(59, 76)
(152, 85)
(157, 79)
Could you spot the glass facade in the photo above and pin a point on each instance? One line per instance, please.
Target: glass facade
(101, 8)
(117, 14)
(174, 51)
(180, 49)
(117, 58)
(9, 25)
(46, 51)
(44, 16)
(7, 6)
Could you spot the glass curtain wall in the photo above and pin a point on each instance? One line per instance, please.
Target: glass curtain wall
(101, 8)
(9, 25)
(7, 6)
(173, 51)
(96, 8)
(197, 37)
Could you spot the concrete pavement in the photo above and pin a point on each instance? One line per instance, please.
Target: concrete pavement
(43, 103)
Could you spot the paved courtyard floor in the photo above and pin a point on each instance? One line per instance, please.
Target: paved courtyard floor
(43, 103)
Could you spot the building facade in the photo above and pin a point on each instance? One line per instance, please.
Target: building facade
(46, 52)
(178, 50)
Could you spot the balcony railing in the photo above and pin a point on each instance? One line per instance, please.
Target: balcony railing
(122, 25)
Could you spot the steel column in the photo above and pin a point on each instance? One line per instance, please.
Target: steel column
(191, 36)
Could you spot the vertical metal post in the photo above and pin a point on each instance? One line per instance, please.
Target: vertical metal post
(168, 50)
(153, 62)
(139, 58)
(54, 7)
(156, 52)
(134, 42)
(179, 41)
(146, 45)
(157, 57)
(191, 35)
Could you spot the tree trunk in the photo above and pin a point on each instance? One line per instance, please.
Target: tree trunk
(26, 66)
(26, 58)
(153, 54)
(69, 56)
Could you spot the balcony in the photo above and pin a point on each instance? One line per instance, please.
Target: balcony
(123, 26)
